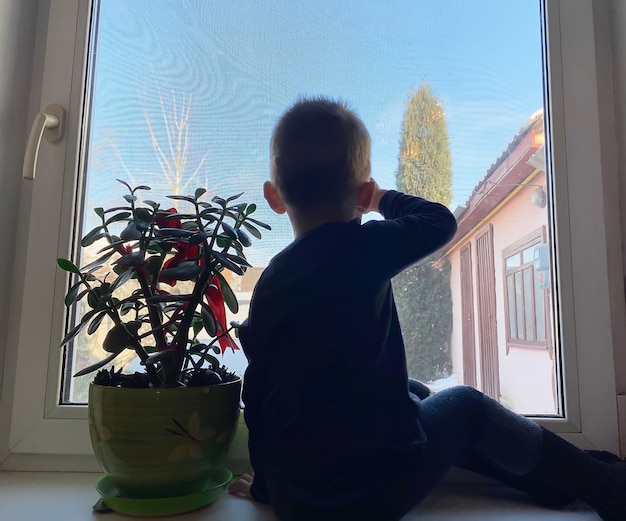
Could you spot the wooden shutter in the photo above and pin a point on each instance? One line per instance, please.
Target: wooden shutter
(467, 313)
(486, 300)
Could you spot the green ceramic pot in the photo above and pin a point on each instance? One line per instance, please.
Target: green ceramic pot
(155, 443)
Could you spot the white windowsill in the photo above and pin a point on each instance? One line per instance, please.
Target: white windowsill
(69, 496)
(65, 496)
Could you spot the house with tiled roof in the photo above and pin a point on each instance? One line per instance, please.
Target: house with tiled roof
(502, 340)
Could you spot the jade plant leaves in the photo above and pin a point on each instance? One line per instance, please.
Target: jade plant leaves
(186, 270)
(159, 272)
(121, 336)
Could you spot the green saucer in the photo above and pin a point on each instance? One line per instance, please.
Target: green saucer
(166, 506)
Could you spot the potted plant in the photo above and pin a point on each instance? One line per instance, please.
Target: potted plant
(158, 284)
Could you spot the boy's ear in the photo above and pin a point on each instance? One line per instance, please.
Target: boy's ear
(273, 198)
(364, 196)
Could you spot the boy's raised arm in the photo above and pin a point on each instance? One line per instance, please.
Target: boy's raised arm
(413, 228)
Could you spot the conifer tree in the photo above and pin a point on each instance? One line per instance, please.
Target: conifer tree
(422, 292)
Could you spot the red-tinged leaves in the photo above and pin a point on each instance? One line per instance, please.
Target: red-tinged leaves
(183, 266)
(164, 219)
(157, 246)
(215, 300)
(225, 341)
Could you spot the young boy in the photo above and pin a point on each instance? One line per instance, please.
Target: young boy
(337, 430)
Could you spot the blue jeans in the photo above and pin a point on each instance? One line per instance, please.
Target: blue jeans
(461, 425)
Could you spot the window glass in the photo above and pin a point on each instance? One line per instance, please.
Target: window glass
(184, 94)
(528, 286)
(513, 261)
(540, 316)
(510, 285)
(528, 255)
(519, 304)
(528, 304)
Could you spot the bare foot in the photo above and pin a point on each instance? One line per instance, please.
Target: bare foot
(241, 487)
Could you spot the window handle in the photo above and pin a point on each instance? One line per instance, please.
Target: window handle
(48, 125)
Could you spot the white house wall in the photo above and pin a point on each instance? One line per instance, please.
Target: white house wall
(456, 343)
(525, 373)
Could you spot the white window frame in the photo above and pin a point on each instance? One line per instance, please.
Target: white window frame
(45, 435)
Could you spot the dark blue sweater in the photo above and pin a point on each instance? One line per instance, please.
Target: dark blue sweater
(325, 392)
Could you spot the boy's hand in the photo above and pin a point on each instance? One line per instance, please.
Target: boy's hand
(241, 487)
(378, 193)
(368, 198)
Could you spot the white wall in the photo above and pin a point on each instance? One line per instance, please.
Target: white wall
(617, 17)
(18, 31)
(617, 11)
(617, 23)
(525, 373)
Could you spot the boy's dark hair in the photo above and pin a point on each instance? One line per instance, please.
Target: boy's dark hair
(319, 154)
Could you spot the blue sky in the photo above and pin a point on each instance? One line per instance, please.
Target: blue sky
(241, 63)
